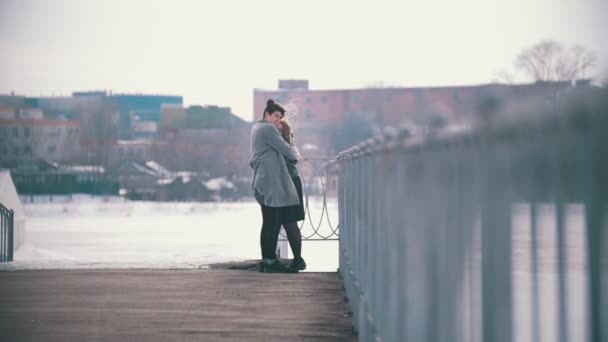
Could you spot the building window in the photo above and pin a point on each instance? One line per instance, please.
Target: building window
(27, 150)
(323, 99)
(420, 100)
(389, 98)
(355, 99)
(3, 151)
(55, 132)
(52, 149)
(308, 99)
(26, 131)
(16, 151)
(15, 131)
(308, 114)
(456, 98)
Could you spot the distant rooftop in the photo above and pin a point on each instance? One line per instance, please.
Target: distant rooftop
(303, 86)
(110, 93)
(90, 93)
(293, 84)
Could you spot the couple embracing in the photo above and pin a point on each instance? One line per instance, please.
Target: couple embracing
(277, 187)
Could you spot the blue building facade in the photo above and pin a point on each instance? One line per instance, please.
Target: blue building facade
(133, 108)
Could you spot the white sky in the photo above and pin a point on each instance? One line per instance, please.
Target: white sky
(216, 52)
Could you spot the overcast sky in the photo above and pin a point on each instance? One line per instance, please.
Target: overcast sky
(216, 52)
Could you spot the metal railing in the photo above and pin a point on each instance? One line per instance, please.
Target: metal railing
(317, 225)
(6, 234)
(428, 250)
(323, 170)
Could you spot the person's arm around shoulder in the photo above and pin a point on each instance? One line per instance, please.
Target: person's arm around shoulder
(274, 139)
(300, 158)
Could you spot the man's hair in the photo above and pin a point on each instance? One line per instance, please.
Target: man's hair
(272, 106)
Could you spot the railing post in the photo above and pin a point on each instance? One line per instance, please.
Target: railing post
(6, 234)
(11, 229)
(596, 200)
(282, 245)
(3, 223)
(495, 244)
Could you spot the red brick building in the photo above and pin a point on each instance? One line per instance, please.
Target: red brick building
(321, 110)
(391, 106)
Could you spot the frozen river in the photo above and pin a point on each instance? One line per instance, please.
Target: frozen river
(93, 233)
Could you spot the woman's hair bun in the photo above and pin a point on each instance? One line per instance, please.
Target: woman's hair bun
(270, 102)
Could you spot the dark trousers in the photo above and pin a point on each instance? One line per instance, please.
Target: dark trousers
(270, 231)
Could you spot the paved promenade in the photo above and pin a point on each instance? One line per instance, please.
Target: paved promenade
(171, 305)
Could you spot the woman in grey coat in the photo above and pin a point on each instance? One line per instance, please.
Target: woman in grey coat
(273, 187)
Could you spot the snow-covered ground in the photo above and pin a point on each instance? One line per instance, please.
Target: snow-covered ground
(85, 232)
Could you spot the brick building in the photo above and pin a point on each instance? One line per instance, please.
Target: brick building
(321, 113)
(393, 106)
(106, 118)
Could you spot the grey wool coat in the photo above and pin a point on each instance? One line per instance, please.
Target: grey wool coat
(272, 184)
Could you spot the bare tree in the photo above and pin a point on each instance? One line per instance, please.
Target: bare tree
(550, 60)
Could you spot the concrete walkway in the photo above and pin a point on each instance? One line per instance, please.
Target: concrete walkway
(171, 305)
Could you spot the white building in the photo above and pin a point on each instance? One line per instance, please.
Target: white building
(10, 199)
(28, 139)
